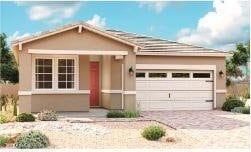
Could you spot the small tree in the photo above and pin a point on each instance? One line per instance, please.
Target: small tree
(14, 100)
(240, 57)
(8, 66)
(3, 102)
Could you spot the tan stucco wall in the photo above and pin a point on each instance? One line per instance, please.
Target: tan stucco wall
(24, 104)
(220, 99)
(218, 61)
(62, 102)
(84, 72)
(130, 102)
(69, 40)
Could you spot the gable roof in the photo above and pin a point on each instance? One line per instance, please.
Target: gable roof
(147, 44)
(67, 27)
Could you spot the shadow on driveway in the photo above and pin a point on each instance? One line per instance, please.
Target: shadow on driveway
(208, 120)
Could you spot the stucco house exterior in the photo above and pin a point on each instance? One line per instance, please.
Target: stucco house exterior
(79, 66)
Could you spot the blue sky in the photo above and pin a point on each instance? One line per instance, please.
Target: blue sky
(206, 23)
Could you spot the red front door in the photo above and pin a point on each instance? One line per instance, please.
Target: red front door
(94, 84)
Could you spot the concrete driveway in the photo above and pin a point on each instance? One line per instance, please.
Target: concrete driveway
(212, 129)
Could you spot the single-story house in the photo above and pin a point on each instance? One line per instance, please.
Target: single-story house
(79, 66)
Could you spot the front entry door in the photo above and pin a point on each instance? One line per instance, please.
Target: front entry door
(94, 84)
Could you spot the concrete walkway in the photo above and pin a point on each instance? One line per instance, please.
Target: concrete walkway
(85, 116)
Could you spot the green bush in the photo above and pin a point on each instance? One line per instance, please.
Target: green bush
(231, 103)
(243, 110)
(115, 114)
(32, 140)
(131, 114)
(47, 115)
(246, 110)
(25, 117)
(3, 140)
(3, 119)
(153, 132)
(122, 114)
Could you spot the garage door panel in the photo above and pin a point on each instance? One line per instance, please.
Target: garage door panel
(174, 95)
(160, 105)
(182, 105)
(174, 85)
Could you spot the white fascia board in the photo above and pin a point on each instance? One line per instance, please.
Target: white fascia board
(76, 52)
(183, 54)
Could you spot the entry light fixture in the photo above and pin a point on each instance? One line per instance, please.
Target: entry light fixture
(131, 71)
(221, 73)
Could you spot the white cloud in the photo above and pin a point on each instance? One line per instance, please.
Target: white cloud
(51, 12)
(222, 28)
(157, 6)
(97, 21)
(16, 35)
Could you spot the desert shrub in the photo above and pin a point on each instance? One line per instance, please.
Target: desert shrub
(32, 140)
(131, 114)
(47, 115)
(231, 103)
(6, 118)
(3, 140)
(3, 119)
(153, 132)
(115, 114)
(122, 114)
(244, 110)
(25, 117)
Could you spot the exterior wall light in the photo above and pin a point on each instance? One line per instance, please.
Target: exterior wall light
(221, 73)
(131, 71)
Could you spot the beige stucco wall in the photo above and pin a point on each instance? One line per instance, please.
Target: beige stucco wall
(69, 40)
(60, 102)
(193, 60)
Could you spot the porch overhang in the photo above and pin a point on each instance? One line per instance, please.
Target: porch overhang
(76, 52)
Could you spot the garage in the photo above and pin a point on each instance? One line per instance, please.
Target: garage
(174, 90)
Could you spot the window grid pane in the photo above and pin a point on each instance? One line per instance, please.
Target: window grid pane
(66, 73)
(43, 73)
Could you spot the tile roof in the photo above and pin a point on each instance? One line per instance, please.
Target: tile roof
(151, 44)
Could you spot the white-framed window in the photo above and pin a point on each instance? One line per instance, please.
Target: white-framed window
(66, 72)
(43, 73)
(55, 72)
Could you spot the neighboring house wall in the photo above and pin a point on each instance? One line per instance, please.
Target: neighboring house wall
(71, 40)
(182, 60)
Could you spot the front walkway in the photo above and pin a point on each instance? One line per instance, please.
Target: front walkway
(88, 115)
(212, 129)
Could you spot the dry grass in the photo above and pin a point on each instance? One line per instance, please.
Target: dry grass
(239, 89)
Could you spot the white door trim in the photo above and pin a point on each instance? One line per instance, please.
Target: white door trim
(183, 67)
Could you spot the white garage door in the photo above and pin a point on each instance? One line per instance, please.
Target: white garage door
(174, 90)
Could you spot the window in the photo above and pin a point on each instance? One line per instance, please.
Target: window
(201, 75)
(157, 75)
(140, 75)
(43, 74)
(180, 75)
(66, 73)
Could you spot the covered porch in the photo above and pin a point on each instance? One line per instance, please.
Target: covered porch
(99, 80)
